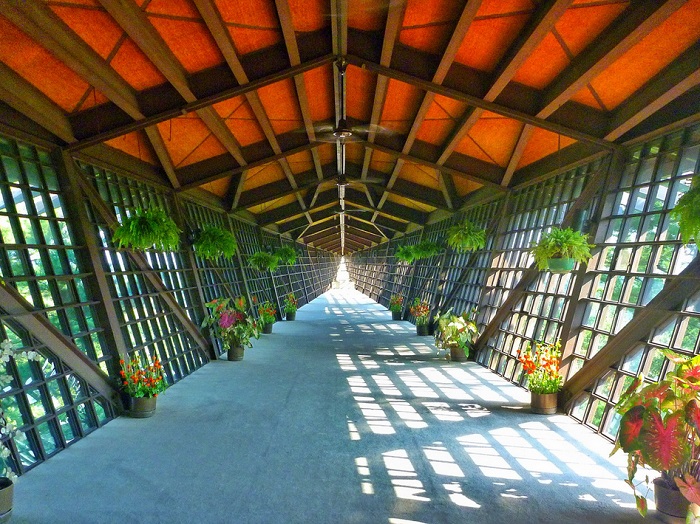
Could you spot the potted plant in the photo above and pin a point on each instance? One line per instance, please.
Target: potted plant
(286, 255)
(544, 380)
(267, 314)
(560, 249)
(213, 242)
(427, 249)
(405, 254)
(233, 326)
(263, 261)
(421, 312)
(687, 212)
(8, 430)
(660, 428)
(140, 386)
(290, 306)
(396, 306)
(466, 237)
(147, 228)
(456, 333)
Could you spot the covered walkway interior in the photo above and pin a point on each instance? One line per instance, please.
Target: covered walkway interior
(343, 416)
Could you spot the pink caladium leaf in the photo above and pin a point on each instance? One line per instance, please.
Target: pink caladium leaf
(630, 426)
(690, 487)
(664, 444)
(641, 505)
(692, 415)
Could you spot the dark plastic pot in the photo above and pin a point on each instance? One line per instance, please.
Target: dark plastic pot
(267, 329)
(141, 407)
(7, 493)
(235, 354)
(396, 315)
(291, 316)
(422, 330)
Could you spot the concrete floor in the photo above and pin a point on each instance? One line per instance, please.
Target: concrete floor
(342, 416)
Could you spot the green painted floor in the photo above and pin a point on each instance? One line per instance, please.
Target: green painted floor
(342, 416)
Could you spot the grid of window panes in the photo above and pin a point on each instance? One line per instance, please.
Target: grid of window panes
(465, 273)
(220, 277)
(259, 282)
(149, 326)
(308, 274)
(39, 256)
(539, 314)
(50, 405)
(640, 250)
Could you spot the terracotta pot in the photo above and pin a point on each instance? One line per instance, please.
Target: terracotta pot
(235, 353)
(543, 403)
(267, 328)
(396, 315)
(561, 265)
(422, 330)
(7, 493)
(291, 316)
(141, 407)
(671, 505)
(457, 353)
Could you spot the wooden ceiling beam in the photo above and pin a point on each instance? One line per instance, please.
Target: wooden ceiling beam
(293, 225)
(206, 101)
(538, 27)
(480, 102)
(135, 23)
(371, 237)
(674, 80)
(517, 154)
(628, 29)
(22, 96)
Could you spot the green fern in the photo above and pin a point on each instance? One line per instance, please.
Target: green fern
(213, 242)
(687, 212)
(286, 255)
(427, 249)
(405, 254)
(263, 261)
(466, 237)
(148, 228)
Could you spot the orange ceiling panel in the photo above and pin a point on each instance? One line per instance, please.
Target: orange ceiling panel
(134, 67)
(488, 39)
(582, 23)
(281, 105)
(543, 65)
(359, 87)
(367, 14)
(400, 106)
(308, 15)
(253, 24)
(440, 119)
(40, 68)
(654, 52)
(184, 135)
(218, 187)
(499, 8)
(84, 21)
(319, 93)
(585, 96)
(173, 8)
(301, 162)
(211, 147)
(428, 25)
(134, 144)
(272, 204)
(425, 176)
(326, 153)
(190, 42)
(382, 162)
(355, 153)
(260, 176)
(541, 144)
(241, 120)
(464, 186)
(494, 136)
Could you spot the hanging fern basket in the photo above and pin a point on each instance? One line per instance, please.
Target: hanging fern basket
(213, 242)
(146, 229)
(263, 261)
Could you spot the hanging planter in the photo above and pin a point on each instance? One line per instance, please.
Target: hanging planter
(213, 242)
(560, 250)
(148, 228)
(410, 254)
(263, 261)
(687, 212)
(466, 237)
(286, 255)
